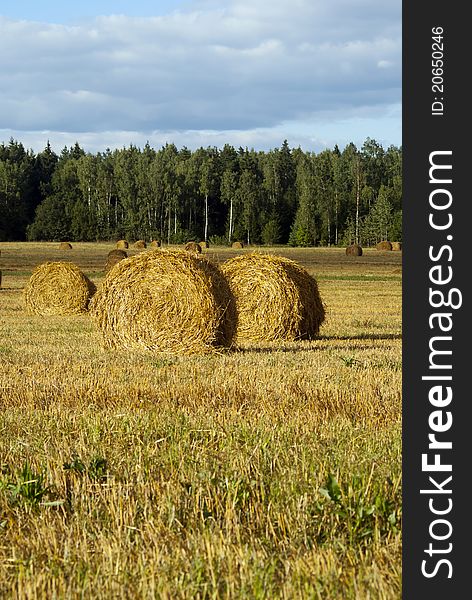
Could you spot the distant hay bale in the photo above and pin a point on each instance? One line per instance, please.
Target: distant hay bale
(384, 245)
(113, 257)
(58, 288)
(276, 299)
(193, 247)
(396, 246)
(155, 244)
(204, 245)
(139, 244)
(237, 245)
(122, 244)
(65, 246)
(354, 250)
(165, 301)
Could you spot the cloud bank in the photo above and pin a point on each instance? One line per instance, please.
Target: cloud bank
(241, 66)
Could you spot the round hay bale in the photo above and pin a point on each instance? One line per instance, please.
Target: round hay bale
(396, 246)
(65, 246)
(276, 299)
(122, 244)
(237, 245)
(139, 244)
(354, 250)
(113, 257)
(165, 301)
(155, 244)
(384, 246)
(193, 247)
(0, 279)
(204, 245)
(58, 288)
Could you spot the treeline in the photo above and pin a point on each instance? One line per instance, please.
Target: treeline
(283, 196)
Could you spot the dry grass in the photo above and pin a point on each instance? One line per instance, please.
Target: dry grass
(200, 476)
(276, 299)
(193, 247)
(354, 250)
(113, 257)
(165, 301)
(385, 245)
(58, 288)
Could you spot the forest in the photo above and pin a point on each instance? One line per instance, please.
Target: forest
(281, 196)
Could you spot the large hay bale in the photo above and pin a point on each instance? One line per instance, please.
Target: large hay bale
(193, 247)
(155, 244)
(237, 245)
(165, 301)
(276, 299)
(139, 244)
(396, 246)
(384, 246)
(122, 244)
(354, 250)
(203, 245)
(113, 257)
(58, 288)
(65, 246)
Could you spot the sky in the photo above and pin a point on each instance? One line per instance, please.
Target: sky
(200, 73)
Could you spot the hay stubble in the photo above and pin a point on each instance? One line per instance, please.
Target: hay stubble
(214, 462)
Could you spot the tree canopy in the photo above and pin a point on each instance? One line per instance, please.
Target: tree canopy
(282, 196)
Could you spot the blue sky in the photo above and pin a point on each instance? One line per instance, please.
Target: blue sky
(200, 73)
(66, 12)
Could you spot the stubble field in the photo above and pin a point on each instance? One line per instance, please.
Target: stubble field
(269, 471)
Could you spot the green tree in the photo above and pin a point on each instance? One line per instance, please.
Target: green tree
(304, 229)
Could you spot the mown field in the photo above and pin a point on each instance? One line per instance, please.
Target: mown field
(262, 472)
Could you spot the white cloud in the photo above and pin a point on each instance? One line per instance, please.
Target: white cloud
(239, 65)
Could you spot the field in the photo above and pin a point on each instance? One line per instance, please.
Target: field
(262, 472)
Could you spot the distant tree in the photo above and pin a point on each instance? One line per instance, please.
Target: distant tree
(283, 195)
(304, 229)
(249, 196)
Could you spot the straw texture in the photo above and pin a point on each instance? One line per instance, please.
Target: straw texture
(193, 247)
(165, 301)
(354, 250)
(276, 299)
(113, 257)
(58, 288)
